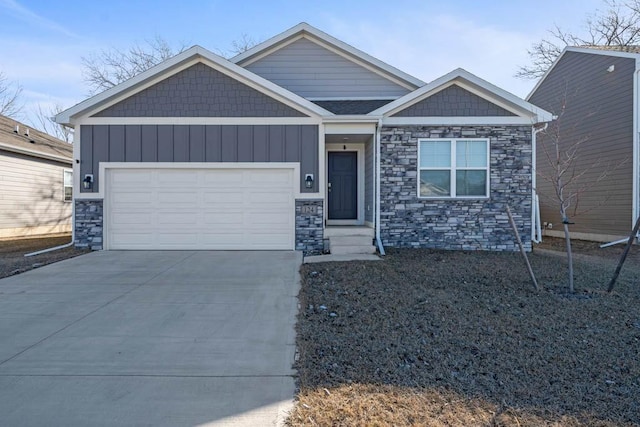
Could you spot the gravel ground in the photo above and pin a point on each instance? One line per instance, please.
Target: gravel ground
(13, 261)
(456, 338)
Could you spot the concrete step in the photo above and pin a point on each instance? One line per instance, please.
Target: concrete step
(359, 249)
(333, 231)
(350, 240)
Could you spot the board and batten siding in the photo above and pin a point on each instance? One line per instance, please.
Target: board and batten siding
(599, 112)
(310, 70)
(199, 143)
(32, 196)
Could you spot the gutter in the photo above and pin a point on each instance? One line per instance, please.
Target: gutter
(377, 153)
(34, 153)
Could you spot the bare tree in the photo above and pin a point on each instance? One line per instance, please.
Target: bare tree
(10, 102)
(238, 46)
(617, 25)
(108, 68)
(44, 122)
(561, 147)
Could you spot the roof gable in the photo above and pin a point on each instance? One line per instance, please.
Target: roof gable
(304, 51)
(492, 99)
(179, 63)
(453, 101)
(631, 52)
(199, 91)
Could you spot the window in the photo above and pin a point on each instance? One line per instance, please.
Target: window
(67, 185)
(453, 168)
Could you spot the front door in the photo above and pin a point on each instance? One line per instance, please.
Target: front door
(343, 185)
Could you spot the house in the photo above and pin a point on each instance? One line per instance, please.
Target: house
(594, 91)
(302, 142)
(35, 182)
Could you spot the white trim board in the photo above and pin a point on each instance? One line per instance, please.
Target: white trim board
(475, 84)
(100, 194)
(188, 58)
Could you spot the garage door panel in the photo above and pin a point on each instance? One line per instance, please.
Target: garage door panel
(215, 209)
(128, 197)
(221, 197)
(177, 179)
(223, 219)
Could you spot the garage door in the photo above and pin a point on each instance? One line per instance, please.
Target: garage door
(223, 209)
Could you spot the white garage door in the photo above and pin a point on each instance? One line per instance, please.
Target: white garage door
(199, 209)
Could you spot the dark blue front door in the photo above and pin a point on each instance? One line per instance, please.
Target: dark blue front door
(343, 185)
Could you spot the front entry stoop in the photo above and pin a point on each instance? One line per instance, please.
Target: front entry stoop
(350, 240)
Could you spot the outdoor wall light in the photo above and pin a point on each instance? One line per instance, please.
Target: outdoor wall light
(87, 182)
(308, 180)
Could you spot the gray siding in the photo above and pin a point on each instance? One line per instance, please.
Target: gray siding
(310, 70)
(599, 112)
(199, 91)
(451, 102)
(32, 196)
(199, 143)
(369, 181)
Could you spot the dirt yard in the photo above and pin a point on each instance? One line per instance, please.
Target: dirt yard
(13, 261)
(436, 338)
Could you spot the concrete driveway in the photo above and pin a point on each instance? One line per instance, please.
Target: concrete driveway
(150, 338)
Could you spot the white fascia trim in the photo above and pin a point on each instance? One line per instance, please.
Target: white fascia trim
(467, 80)
(352, 98)
(348, 52)
(351, 119)
(349, 128)
(104, 166)
(457, 121)
(178, 63)
(199, 121)
(33, 153)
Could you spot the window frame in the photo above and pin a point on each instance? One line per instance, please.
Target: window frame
(453, 168)
(64, 186)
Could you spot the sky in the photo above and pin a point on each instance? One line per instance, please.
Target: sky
(42, 41)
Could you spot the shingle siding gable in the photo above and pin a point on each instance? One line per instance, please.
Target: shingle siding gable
(199, 91)
(451, 102)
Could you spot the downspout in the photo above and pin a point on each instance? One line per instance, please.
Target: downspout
(536, 228)
(377, 184)
(635, 209)
(73, 212)
(66, 245)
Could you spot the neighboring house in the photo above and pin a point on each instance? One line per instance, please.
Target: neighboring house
(594, 91)
(302, 142)
(35, 182)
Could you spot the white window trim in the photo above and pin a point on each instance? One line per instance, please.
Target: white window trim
(64, 172)
(453, 168)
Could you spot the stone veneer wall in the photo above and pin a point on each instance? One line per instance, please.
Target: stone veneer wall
(88, 224)
(463, 224)
(309, 227)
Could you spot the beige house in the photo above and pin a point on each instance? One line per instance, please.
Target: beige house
(35, 182)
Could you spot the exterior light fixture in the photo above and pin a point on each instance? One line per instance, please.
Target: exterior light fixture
(87, 182)
(308, 180)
